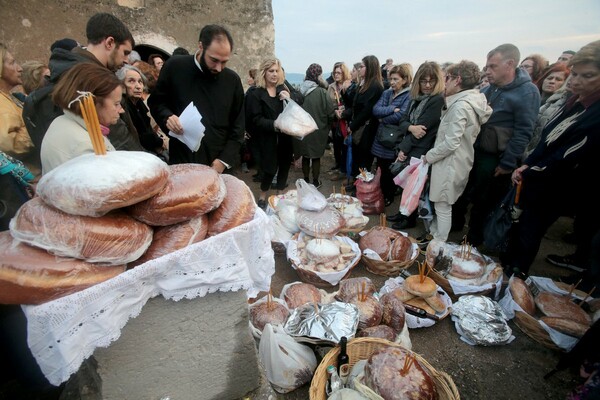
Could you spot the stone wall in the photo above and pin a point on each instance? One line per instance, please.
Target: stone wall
(29, 27)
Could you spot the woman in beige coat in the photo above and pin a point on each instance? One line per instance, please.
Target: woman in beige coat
(451, 157)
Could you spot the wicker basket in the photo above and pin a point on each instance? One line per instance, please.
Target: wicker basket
(532, 328)
(389, 268)
(361, 349)
(308, 276)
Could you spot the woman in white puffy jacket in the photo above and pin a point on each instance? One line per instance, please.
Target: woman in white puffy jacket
(452, 155)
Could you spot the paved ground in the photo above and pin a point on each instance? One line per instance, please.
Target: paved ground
(514, 371)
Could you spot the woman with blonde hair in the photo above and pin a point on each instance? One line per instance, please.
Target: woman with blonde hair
(336, 91)
(263, 106)
(420, 124)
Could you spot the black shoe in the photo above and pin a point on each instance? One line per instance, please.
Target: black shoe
(567, 261)
(424, 239)
(395, 218)
(262, 204)
(406, 223)
(317, 183)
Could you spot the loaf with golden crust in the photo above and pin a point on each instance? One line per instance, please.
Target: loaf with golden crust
(424, 287)
(384, 374)
(93, 185)
(522, 295)
(114, 238)
(29, 275)
(298, 294)
(237, 208)
(192, 190)
(561, 306)
(402, 249)
(566, 326)
(168, 239)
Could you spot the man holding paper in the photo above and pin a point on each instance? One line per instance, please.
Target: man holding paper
(200, 103)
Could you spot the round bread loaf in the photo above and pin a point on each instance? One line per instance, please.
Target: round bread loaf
(268, 312)
(436, 303)
(420, 303)
(298, 294)
(114, 238)
(401, 249)
(379, 239)
(379, 331)
(561, 306)
(192, 190)
(566, 326)
(237, 208)
(351, 287)
(521, 294)
(470, 267)
(421, 288)
(402, 294)
(320, 224)
(29, 275)
(369, 309)
(394, 313)
(94, 185)
(384, 374)
(168, 239)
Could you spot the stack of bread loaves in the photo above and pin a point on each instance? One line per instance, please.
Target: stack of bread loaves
(97, 214)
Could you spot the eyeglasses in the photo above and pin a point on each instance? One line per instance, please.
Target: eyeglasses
(431, 82)
(337, 73)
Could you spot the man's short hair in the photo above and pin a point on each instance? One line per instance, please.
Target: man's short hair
(212, 32)
(508, 51)
(102, 25)
(180, 51)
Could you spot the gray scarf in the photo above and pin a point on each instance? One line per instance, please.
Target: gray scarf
(416, 112)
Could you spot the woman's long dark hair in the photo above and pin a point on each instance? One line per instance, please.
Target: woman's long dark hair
(372, 74)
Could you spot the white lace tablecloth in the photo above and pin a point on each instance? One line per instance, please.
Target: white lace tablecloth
(64, 332)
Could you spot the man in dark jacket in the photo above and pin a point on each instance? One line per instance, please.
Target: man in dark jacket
(499, 148)
(217, 93)
(109, 44)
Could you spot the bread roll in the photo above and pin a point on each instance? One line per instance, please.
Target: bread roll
(351, 287)
(192, 190)
(369, 309)
(401, 249)
(29, 275)
(561, 306)
(379, 331)
(384, 374)
(402, 294)
(421, 303)
(298, 294)
(495, 274)
(168, 239)
(426, 288)
(268, 312)
(566, 326)
(114, 238)
(436, 303)
(237, 208)
(394, 313)
(94, 185)
(320, 224)
(522, 295)
(379, 239)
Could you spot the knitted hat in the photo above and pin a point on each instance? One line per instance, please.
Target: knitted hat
(66, 43)
(313, 73)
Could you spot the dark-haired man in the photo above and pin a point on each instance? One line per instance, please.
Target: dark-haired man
(109, 43)
(217, 93)
(565, 57)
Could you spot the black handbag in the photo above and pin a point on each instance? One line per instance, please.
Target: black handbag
(389, 136)
(501, 220)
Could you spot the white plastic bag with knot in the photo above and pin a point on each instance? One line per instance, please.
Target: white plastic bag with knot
(294, 121)
(309, 197)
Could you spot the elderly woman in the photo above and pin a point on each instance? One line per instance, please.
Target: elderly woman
(14, 138)
(134, 82)
(551, 80)
(318, 104)
(420, 124)
(263, 106)
(67, 137)
(562, 167)
(389, 110)
(452, 155)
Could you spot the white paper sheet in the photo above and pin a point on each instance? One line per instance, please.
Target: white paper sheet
(193, 129)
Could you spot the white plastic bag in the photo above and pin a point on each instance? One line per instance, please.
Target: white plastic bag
(294, 121)
(288, 363)
(309, 197)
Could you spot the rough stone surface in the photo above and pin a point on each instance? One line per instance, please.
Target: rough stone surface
(197, 349)
(29, 27)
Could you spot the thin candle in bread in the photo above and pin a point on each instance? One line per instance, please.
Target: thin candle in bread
(90, 117)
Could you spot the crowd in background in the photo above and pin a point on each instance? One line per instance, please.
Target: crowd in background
(481, 130)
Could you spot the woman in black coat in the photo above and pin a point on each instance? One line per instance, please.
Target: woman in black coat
(263, 105)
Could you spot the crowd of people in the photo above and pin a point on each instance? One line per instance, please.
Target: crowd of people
(480, 130)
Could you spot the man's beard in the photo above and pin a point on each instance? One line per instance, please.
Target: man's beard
(205, 67)
(112, 61)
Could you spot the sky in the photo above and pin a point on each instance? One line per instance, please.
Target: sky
(328, 31)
